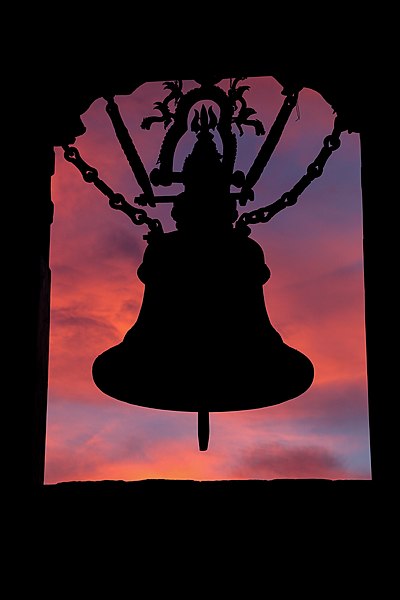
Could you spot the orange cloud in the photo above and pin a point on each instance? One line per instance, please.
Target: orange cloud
(314, 298)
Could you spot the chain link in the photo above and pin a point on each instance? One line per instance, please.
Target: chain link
(116, 201)
(315, 169)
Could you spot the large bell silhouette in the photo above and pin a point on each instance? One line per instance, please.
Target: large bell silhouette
(203, 341)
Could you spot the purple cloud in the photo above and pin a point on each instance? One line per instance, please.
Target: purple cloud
(277, 460)
(314, 298)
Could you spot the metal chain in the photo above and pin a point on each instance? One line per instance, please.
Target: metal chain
(314, 170)
(261, 215)
(117, 201)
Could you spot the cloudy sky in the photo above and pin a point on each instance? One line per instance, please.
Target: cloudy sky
(314, 298)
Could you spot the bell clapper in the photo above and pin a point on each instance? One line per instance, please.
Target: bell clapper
(203, 429)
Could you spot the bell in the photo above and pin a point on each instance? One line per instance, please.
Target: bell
(203, 341)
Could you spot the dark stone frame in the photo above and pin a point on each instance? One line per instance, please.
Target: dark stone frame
(344, 82)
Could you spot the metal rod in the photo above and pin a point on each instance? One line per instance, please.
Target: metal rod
(129, 149)
(271, 141)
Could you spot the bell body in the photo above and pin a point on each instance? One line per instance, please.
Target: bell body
(203, 340)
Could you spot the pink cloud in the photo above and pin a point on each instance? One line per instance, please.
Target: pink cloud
(118, 441)
(314, 298)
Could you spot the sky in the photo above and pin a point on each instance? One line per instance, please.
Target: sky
(314, 298)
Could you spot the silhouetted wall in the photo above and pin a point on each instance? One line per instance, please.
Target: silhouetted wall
(67, 91)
